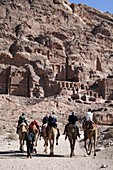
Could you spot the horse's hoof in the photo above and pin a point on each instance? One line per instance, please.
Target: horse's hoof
(22, 151)
(94, 154)
(56, 143)
(51, 154)
(85, 155)
(35, 150)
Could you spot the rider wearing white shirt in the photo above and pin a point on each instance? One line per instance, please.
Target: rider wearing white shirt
(89, 115)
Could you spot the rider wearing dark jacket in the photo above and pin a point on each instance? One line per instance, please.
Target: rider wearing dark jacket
(45, 119)
(30, 138)
(52, 120)
(72, 119)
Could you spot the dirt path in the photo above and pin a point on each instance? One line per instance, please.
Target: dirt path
(11, 158)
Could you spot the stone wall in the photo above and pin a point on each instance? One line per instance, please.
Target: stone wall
(4, 80)
(105, 88)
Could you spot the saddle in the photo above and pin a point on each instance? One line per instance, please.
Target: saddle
(88, 125)
(71, 128)
(22, 124)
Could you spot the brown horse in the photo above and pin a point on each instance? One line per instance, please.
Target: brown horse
(52, 138)
(35, 129)
(50, 135)
(90, 133)
(71, 133)
(22, 131)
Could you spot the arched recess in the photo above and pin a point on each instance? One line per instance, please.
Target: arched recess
(98, 65)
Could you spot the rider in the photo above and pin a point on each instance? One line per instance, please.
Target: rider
(44, 124)
(34, 122)
(88, 118)
(45, 120)
(72, 119)
(88, 122)
(22, 119)
(52, 122)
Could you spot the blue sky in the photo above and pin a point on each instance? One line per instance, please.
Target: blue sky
(102, 5)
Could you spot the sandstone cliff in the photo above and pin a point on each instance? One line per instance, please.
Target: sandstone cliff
(50, 47)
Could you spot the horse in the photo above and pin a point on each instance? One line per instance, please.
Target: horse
(71, 133)
(90, 133)
(50, 134)
(22, 131)
(44, 135)
(52, 138)
(35, 129)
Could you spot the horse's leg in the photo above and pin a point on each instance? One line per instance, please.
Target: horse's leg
(23, 140)
(56, 140)
(85, 141)
(71, 147)
(94, 137)
(45, 144)
(57, 136)
(89, 146)
(21, 145)
(51, 147)
(35, 143)
(85, 146)
(36, 139)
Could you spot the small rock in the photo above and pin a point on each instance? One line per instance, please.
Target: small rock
(104, 166)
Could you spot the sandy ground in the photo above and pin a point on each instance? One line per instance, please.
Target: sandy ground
(11, 158)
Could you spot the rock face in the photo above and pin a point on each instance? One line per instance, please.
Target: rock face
(49, 46)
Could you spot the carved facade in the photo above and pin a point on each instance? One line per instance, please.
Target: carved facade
(20, 81)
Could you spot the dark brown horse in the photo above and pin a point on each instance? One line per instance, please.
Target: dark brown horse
(71, 133)
(90, 137)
